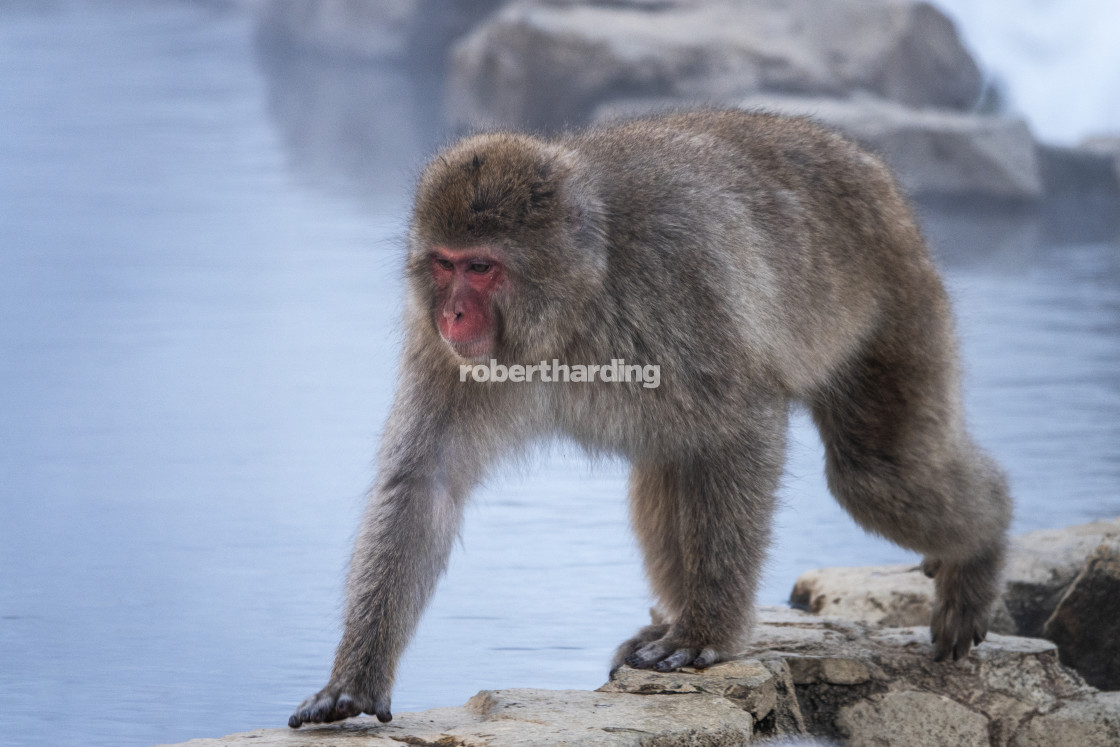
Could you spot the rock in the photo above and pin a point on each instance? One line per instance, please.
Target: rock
(1040, 568)
(890, 596)
(1082, 189)
(1042, 564)
(803, 676)
(1086, 622)
(496, 718)
(911, 718)
(1088, 721)
(545, 65)
(1104, 145)
(935, 153)
(1063, 584)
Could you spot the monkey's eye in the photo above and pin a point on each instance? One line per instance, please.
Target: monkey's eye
(444, 264)
(480, 267)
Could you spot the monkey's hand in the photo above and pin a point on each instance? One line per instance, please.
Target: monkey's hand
(336, 702)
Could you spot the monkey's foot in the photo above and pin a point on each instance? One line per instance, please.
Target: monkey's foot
(334, 703)
(665, 653)
(965, 592)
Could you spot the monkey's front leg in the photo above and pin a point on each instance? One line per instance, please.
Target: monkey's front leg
(704, 525)
(401, 550)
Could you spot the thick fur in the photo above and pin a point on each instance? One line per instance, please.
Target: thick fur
(758, 260)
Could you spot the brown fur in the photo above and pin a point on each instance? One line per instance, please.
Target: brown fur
(759, 260)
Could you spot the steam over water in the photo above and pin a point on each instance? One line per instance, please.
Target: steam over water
(200, 275)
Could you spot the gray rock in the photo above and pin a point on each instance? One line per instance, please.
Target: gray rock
(1105, 145)
(934, 152)
(501, 718)
(1088, 721)
(1063, 584)
(913, 718)
(802, 677)
(889, 596)
(1086, 622)
(1042, 564)
(544, 65)
(1082, 189)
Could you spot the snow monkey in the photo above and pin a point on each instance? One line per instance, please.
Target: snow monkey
(758, 260)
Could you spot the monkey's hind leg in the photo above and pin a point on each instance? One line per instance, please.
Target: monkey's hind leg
(899, 459)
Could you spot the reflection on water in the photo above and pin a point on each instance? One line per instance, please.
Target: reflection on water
(199, 279)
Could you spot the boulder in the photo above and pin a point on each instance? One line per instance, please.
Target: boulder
(1063, 584)
(523, 717)
(802, 676)
(549, 64)
(1082, 189)
(888, 596)
(1086, 622)
(935, 153)
(1105, 145)
(1042, 564)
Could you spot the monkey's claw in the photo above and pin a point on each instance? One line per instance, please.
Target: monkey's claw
(332, 705)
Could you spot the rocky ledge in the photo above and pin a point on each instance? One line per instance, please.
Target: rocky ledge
(893, 74)
(804, 677)
(1061, 584)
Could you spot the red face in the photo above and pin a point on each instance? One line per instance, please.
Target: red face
(466, 280)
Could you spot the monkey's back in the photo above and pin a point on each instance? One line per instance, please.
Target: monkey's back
(807, 230)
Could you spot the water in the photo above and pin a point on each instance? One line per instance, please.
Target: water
(199, 283)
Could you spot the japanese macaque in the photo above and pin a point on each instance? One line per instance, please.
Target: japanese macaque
(757, 260)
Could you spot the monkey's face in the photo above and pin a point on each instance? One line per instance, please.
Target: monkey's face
(466, 281)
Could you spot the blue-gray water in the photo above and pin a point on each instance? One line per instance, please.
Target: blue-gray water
(199, 279)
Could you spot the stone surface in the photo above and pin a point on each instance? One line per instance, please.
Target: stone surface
(1082, 184)
(802, 676)
(1063, 584)
(545, 65)
(1094, 720)
(890, 596)
(1086, 622)
(495, 718)
(934, 152)
(912, 718)
(1042, 564)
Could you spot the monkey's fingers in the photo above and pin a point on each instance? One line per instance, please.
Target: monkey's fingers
(682, 657)
(629, 648)
(330, 705)
(665, 656)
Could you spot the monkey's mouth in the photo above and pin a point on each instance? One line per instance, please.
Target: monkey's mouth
(476, 350)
